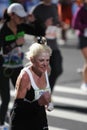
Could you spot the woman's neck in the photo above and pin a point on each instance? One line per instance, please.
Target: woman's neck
(12, 26)
(36, 72)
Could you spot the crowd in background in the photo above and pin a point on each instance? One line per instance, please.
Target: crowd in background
(26, 3)
(66, 11)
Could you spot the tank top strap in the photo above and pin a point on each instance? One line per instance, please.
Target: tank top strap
(47, 80)
(31, 78)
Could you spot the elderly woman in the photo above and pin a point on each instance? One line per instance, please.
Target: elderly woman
(32, 91)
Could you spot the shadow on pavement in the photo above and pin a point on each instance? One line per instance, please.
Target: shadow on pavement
(72, 108)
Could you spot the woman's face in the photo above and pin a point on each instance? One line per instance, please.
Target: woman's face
(41, 62)
(17, 19)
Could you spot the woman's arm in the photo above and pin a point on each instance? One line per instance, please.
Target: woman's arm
(22, 85)
(35, 28)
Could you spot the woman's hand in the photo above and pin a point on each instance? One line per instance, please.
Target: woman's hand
(44, 99)
(20, 41)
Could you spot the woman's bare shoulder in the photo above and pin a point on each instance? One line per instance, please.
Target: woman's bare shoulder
(23, 79)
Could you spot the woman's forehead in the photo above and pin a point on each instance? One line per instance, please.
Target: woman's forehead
(43, 54)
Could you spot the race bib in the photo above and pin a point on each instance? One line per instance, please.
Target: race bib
(39, 92)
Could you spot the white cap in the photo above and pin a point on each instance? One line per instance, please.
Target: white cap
(18, 9)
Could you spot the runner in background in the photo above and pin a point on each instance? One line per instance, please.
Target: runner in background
(46, 12)
(80, 23)
(65, 17)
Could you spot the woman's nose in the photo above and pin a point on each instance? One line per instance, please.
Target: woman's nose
(45, 63)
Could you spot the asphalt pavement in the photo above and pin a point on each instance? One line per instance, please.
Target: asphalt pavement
(70, 101)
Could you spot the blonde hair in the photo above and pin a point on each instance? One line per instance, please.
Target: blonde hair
(35, 49)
